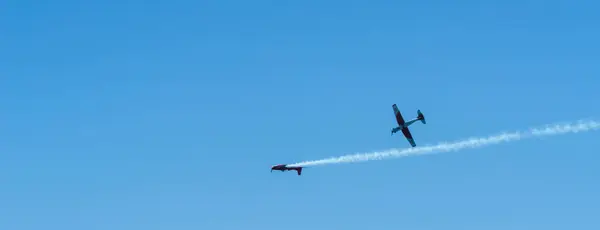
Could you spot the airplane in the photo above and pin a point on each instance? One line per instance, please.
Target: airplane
(283, 168)
(402, 125)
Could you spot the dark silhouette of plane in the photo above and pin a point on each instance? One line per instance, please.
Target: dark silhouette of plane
(403, 125)
(284, 168)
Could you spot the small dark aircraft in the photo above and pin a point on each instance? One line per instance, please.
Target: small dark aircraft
(402, 125)
(284, 168)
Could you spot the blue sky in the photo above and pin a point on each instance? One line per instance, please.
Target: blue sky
(167, 115)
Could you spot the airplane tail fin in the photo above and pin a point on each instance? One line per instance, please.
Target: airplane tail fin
(421, 117)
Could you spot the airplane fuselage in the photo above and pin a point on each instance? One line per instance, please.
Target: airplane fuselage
(405, 125)
(284, 168)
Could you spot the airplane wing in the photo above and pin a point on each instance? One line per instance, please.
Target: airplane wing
(399, 118)
(409, 137)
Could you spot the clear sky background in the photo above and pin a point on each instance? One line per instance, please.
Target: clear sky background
(168, 114)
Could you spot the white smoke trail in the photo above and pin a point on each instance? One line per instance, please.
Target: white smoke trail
(548, 130)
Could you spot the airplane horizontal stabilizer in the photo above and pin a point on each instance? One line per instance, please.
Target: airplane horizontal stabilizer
(421, 117)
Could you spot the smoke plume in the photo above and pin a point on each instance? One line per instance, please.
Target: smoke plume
(475, 142)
